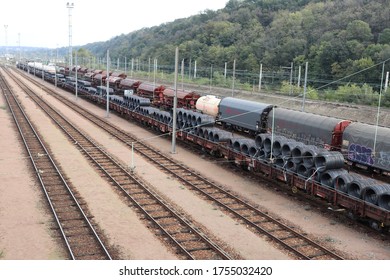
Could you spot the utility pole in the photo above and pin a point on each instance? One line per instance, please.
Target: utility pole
(260, 76)
(175, 102)
(107, 85)
(132, 67)
(379, 107)
(189, 69)
(149, 70)
(299, 76)
(55, 67)
(76, 75)
(182, 74)
(6, 41)
(234, 77)
(154, 75)
(70, 6)
(211, 77)
(20, 57)
(195, 69)
(305, 87)
(291, 78)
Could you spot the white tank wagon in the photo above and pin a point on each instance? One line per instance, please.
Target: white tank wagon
(208, 105)
(42, 67)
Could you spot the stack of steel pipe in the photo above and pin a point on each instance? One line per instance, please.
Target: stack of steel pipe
(288, 147)
(291, 166)
(329, 177)
(201, 131)
(309, 153)
(148, 111)
(296, 154)
(269, 141)
(329, 160)
(260, 140)
(220, 135)
(248, 147)
(277, 145)
(358, 185)
(303, 171)
(211, 131)
(117, 99)
(179, 113)
(371, 194)
(235, 144)
(263, 155)
(138, 101)
(384, 200)
(343, 181)
(204, 120)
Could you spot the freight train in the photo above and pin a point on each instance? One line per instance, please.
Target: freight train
(305, 150)
(362, 144)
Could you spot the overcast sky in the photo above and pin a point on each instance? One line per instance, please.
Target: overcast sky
(45, 23)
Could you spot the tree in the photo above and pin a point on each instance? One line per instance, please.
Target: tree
(286, 39)
(384, 36)
(359, 30)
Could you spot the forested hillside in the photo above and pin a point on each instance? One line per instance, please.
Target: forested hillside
(337, 37)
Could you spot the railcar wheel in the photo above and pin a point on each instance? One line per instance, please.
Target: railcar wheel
(375, 225)
(215, 153)
(352, 216)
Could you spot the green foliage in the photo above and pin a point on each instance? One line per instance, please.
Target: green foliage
(333, 36)
(82, 52)
(294, 90)
(385, 102)
(338, 38)
(288, 89)
(312, 93)
(384, 36)
(358, 30)
(352, 93)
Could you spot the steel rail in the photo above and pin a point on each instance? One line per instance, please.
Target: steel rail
(86, 145)
(141, 147)
(14, 104)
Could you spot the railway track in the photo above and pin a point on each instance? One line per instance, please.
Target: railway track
(77, 231)
(296, 243)
(183, 235)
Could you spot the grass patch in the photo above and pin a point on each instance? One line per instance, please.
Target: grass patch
(3, 107)
(329, 239)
